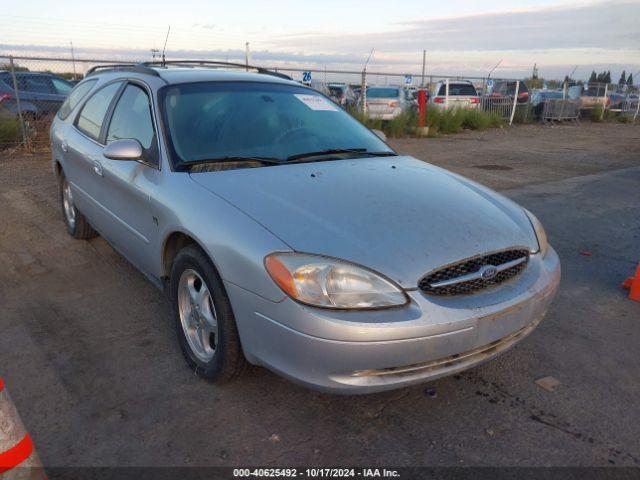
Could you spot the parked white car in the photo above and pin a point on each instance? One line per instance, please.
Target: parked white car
(460, 94)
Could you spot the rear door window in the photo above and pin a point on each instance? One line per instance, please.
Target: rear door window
(93, 112)
(36, 84)
(61, 87)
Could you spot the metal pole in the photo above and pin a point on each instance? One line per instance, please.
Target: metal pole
(246, 55)
(637, 110)
(15, 91)
(515, 102)
(73, 61)
(446, 94)
(363, 93)
(604, 101)
(424, 64)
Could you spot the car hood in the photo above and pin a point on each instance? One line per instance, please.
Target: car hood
(397, 215)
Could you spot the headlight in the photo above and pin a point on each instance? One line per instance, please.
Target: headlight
(331, 283)
(541, 235)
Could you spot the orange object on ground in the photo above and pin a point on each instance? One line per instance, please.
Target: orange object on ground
(633, 284)
(18, 459)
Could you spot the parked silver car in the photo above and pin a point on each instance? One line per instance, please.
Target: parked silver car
(386, 103)
(288, 235)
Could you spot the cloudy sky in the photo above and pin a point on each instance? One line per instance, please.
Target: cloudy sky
(461, 37)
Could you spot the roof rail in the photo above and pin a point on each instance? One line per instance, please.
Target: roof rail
(212, 63)
(128, 67)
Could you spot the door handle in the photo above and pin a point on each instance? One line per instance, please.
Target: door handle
(97, 167)
(64, 146)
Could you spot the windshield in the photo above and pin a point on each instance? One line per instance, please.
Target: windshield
(383, 92)
(213, 120)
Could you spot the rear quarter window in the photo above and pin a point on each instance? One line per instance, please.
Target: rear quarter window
(76, 95)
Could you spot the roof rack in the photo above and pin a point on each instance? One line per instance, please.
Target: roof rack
(128, 67)
(212, 63)
(145, 67)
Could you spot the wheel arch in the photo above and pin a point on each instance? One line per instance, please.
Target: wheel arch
(173, 243)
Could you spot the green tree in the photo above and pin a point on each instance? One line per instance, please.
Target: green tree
(607, 78)
(593, 78)
(630, 80)
(623, 78)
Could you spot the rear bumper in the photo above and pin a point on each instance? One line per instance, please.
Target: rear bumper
(393, 348)
(384, 115)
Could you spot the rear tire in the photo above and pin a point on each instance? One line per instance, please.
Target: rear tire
(77, 225)
(205, 324)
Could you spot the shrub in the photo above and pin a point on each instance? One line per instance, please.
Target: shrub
(596, 114)
(10, 133)
(476, 120)
(438, 121)
(451, 120)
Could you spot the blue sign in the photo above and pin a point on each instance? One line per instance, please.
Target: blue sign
(408, 79)
(489, 83)
(306, 77)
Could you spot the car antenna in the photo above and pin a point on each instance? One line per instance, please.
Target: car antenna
(165, 46)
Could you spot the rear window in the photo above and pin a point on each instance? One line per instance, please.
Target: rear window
(458, 89)
(509, 88)
(383, 92)
(74, 98)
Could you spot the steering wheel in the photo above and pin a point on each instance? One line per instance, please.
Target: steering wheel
(302, 132)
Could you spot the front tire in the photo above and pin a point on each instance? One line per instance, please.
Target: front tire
(205, 324)
(77, 225)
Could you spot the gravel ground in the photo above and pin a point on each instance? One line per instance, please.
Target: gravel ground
(89, 355)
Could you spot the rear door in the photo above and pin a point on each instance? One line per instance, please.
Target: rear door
(82, 149)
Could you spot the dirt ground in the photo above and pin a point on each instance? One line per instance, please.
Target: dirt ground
(89, 355)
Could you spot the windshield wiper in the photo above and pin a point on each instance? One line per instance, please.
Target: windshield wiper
(336, 151)
(231, 159)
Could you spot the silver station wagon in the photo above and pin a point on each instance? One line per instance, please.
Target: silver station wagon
(288, 235)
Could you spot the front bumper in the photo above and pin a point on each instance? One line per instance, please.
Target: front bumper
(364, 352)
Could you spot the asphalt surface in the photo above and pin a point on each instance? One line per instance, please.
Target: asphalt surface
(89, 354)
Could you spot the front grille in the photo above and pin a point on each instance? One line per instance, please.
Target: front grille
(463, 277)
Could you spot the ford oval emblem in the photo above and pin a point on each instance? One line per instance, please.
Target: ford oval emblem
(488, 272)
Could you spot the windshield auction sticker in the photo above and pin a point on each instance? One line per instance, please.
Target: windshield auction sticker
(316, 102)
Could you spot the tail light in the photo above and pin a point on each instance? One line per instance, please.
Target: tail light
(475, 100)
(5, 96)
(438, 100)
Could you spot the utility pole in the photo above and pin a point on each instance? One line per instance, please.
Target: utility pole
(424, 63)
(246, 55)
(363, 93)
(154, 51)
(73, 60)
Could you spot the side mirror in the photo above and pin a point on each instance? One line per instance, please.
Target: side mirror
(125, 149)
(380, 134)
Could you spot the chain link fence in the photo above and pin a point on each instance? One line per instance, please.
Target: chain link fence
(33, 88)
